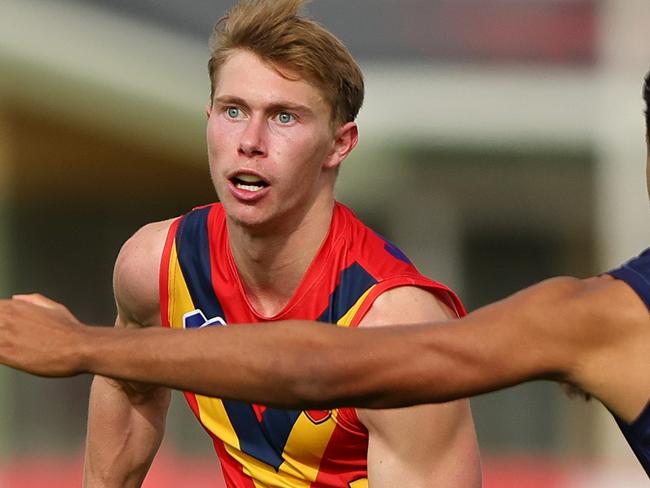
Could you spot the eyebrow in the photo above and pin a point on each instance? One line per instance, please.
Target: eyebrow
(274, 107)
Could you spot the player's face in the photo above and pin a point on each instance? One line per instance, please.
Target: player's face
(270, 143)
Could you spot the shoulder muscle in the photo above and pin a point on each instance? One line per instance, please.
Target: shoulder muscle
(616, 344)
(136, 275)
(406, 304)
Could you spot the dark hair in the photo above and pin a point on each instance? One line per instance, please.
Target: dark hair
(646, 98)
(295, 46)
(573, 391)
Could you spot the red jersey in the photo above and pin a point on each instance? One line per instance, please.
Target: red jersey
(200, 286)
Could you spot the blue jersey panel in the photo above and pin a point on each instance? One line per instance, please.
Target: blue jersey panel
(636, 273)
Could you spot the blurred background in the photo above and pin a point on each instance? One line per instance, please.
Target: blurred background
(502, 142)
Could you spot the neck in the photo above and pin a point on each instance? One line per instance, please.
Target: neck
(272, 264)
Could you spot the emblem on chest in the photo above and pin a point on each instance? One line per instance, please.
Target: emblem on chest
(197, 319)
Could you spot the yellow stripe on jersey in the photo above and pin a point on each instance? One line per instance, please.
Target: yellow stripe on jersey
(306, 445)
(346, 320)
(214, 417)
(211, 410)
(304, 449)
(264, 476)
(359, 483)
(307, 441)
(180, 300)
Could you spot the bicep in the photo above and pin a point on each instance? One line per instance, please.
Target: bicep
(536, 333)
(428, 445)
(542, 332)
(419, 446)
(539, 332)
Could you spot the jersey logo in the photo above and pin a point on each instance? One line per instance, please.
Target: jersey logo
(197, 319)
(318, 416)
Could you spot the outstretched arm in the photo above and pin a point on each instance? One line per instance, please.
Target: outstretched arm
(546, 331)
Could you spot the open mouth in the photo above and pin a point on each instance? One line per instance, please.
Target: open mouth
(248, 182)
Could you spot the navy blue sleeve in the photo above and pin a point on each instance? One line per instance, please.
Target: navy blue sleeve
(636, 273)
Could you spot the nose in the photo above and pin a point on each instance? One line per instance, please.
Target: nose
(253, 138)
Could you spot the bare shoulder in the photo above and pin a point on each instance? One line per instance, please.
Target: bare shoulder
(611, 296)
(566, 315)
(136, 274)
(597, 309)
(595, 333)
(406, 305)
(615, 365)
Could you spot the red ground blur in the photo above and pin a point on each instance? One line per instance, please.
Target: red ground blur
(174, 471)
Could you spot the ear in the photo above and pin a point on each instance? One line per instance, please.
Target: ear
(208, 110)
(345, 140)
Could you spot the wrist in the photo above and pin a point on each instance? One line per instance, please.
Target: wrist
(88, 350)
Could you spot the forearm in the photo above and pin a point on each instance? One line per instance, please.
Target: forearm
(231, 362)
(317, 365)
(125, 429)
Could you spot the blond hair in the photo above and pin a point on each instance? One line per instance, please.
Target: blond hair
(298, 47)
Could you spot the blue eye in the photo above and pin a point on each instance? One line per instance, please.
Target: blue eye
(285, 117)
(233, 112)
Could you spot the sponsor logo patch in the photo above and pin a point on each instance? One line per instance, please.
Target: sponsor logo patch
(197, 319)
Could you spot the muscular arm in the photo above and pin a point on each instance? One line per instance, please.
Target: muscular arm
(126, 420)
(429, 445)
(428, 362)
(563, 329)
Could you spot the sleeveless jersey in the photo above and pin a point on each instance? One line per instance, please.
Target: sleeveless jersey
(200, 286)
(636, 273)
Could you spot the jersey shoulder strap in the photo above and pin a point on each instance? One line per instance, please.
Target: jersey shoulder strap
(636, 273)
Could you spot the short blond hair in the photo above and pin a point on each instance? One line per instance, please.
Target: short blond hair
(275, 31)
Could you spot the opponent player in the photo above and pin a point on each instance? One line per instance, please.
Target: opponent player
(593, 334)
(285, 93)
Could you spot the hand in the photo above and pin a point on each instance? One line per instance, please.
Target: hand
(40, 336)
(43, 301)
